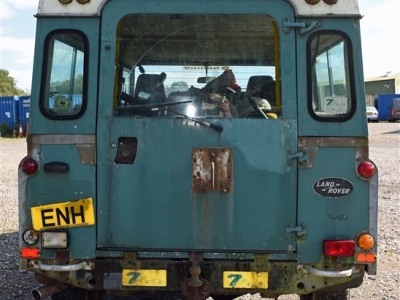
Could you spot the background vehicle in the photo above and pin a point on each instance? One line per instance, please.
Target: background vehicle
(394, 110)
(195, 147)
(372, 114)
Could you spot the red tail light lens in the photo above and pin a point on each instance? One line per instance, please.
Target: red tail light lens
(29, 166)
(366, 169)
(339, 247)
(29, 252)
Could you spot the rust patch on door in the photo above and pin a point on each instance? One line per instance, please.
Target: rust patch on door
(212, 170)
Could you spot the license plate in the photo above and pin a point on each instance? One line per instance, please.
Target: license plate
(64, 214)
(131, 277)
(245, 280)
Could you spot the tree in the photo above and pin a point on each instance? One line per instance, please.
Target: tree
(8, 85)
(64, 87)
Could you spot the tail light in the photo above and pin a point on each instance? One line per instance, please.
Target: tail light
(366, 169)
(29, 166)
(30, 252)
(339, 247)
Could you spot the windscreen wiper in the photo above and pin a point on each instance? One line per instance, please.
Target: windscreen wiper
(166, 106)
(218, 128)
(150, 106)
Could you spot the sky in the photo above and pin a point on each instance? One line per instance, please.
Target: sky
(380, 36)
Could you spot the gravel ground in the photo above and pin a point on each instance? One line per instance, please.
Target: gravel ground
(384, 151)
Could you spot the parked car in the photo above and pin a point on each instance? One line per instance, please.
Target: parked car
(394, 110)
(372, 114)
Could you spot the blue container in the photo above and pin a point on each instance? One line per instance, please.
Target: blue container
(382, 104)
(24, 104)
(9, 110)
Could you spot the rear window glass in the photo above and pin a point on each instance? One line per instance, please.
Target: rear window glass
(64, 76)
(203, 66)
(396, 103)
(330, 91)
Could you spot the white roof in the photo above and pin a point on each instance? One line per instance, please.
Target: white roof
(94, 7)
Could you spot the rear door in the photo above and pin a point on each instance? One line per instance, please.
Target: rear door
(166, 182)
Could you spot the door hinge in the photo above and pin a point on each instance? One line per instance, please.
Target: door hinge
(300, 231)
(301, 156)
(303, 27)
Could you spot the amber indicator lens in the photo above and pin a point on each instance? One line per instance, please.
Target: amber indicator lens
(365, 241)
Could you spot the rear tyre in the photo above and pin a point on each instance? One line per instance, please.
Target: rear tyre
(336, 295)
(78, 294)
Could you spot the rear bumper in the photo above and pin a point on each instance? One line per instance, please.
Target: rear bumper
(235, 277)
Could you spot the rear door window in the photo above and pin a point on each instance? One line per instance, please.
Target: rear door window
(194, 63)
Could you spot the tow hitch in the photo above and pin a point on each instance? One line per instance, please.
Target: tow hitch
(193, 287)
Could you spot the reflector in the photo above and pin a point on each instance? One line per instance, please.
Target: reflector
(366, 169)
(30, 252)
(339, 247)
(29, 166)
(365, 257)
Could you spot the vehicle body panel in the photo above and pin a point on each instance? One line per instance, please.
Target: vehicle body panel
(170, 196)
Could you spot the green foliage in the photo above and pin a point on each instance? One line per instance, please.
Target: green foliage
(8, 132)
(8, 85)
(5, 130)
(64, 87)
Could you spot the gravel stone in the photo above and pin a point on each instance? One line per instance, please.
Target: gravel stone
(384, 151)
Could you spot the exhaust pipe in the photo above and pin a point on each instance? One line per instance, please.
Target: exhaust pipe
(47, 290)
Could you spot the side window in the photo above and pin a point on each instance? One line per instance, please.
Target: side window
(63, 92)
(330, 72)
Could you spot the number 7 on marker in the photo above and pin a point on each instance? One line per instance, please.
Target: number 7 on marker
(135, 275)
(235, 279)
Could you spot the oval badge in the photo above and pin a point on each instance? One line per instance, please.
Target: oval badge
(333, 187)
